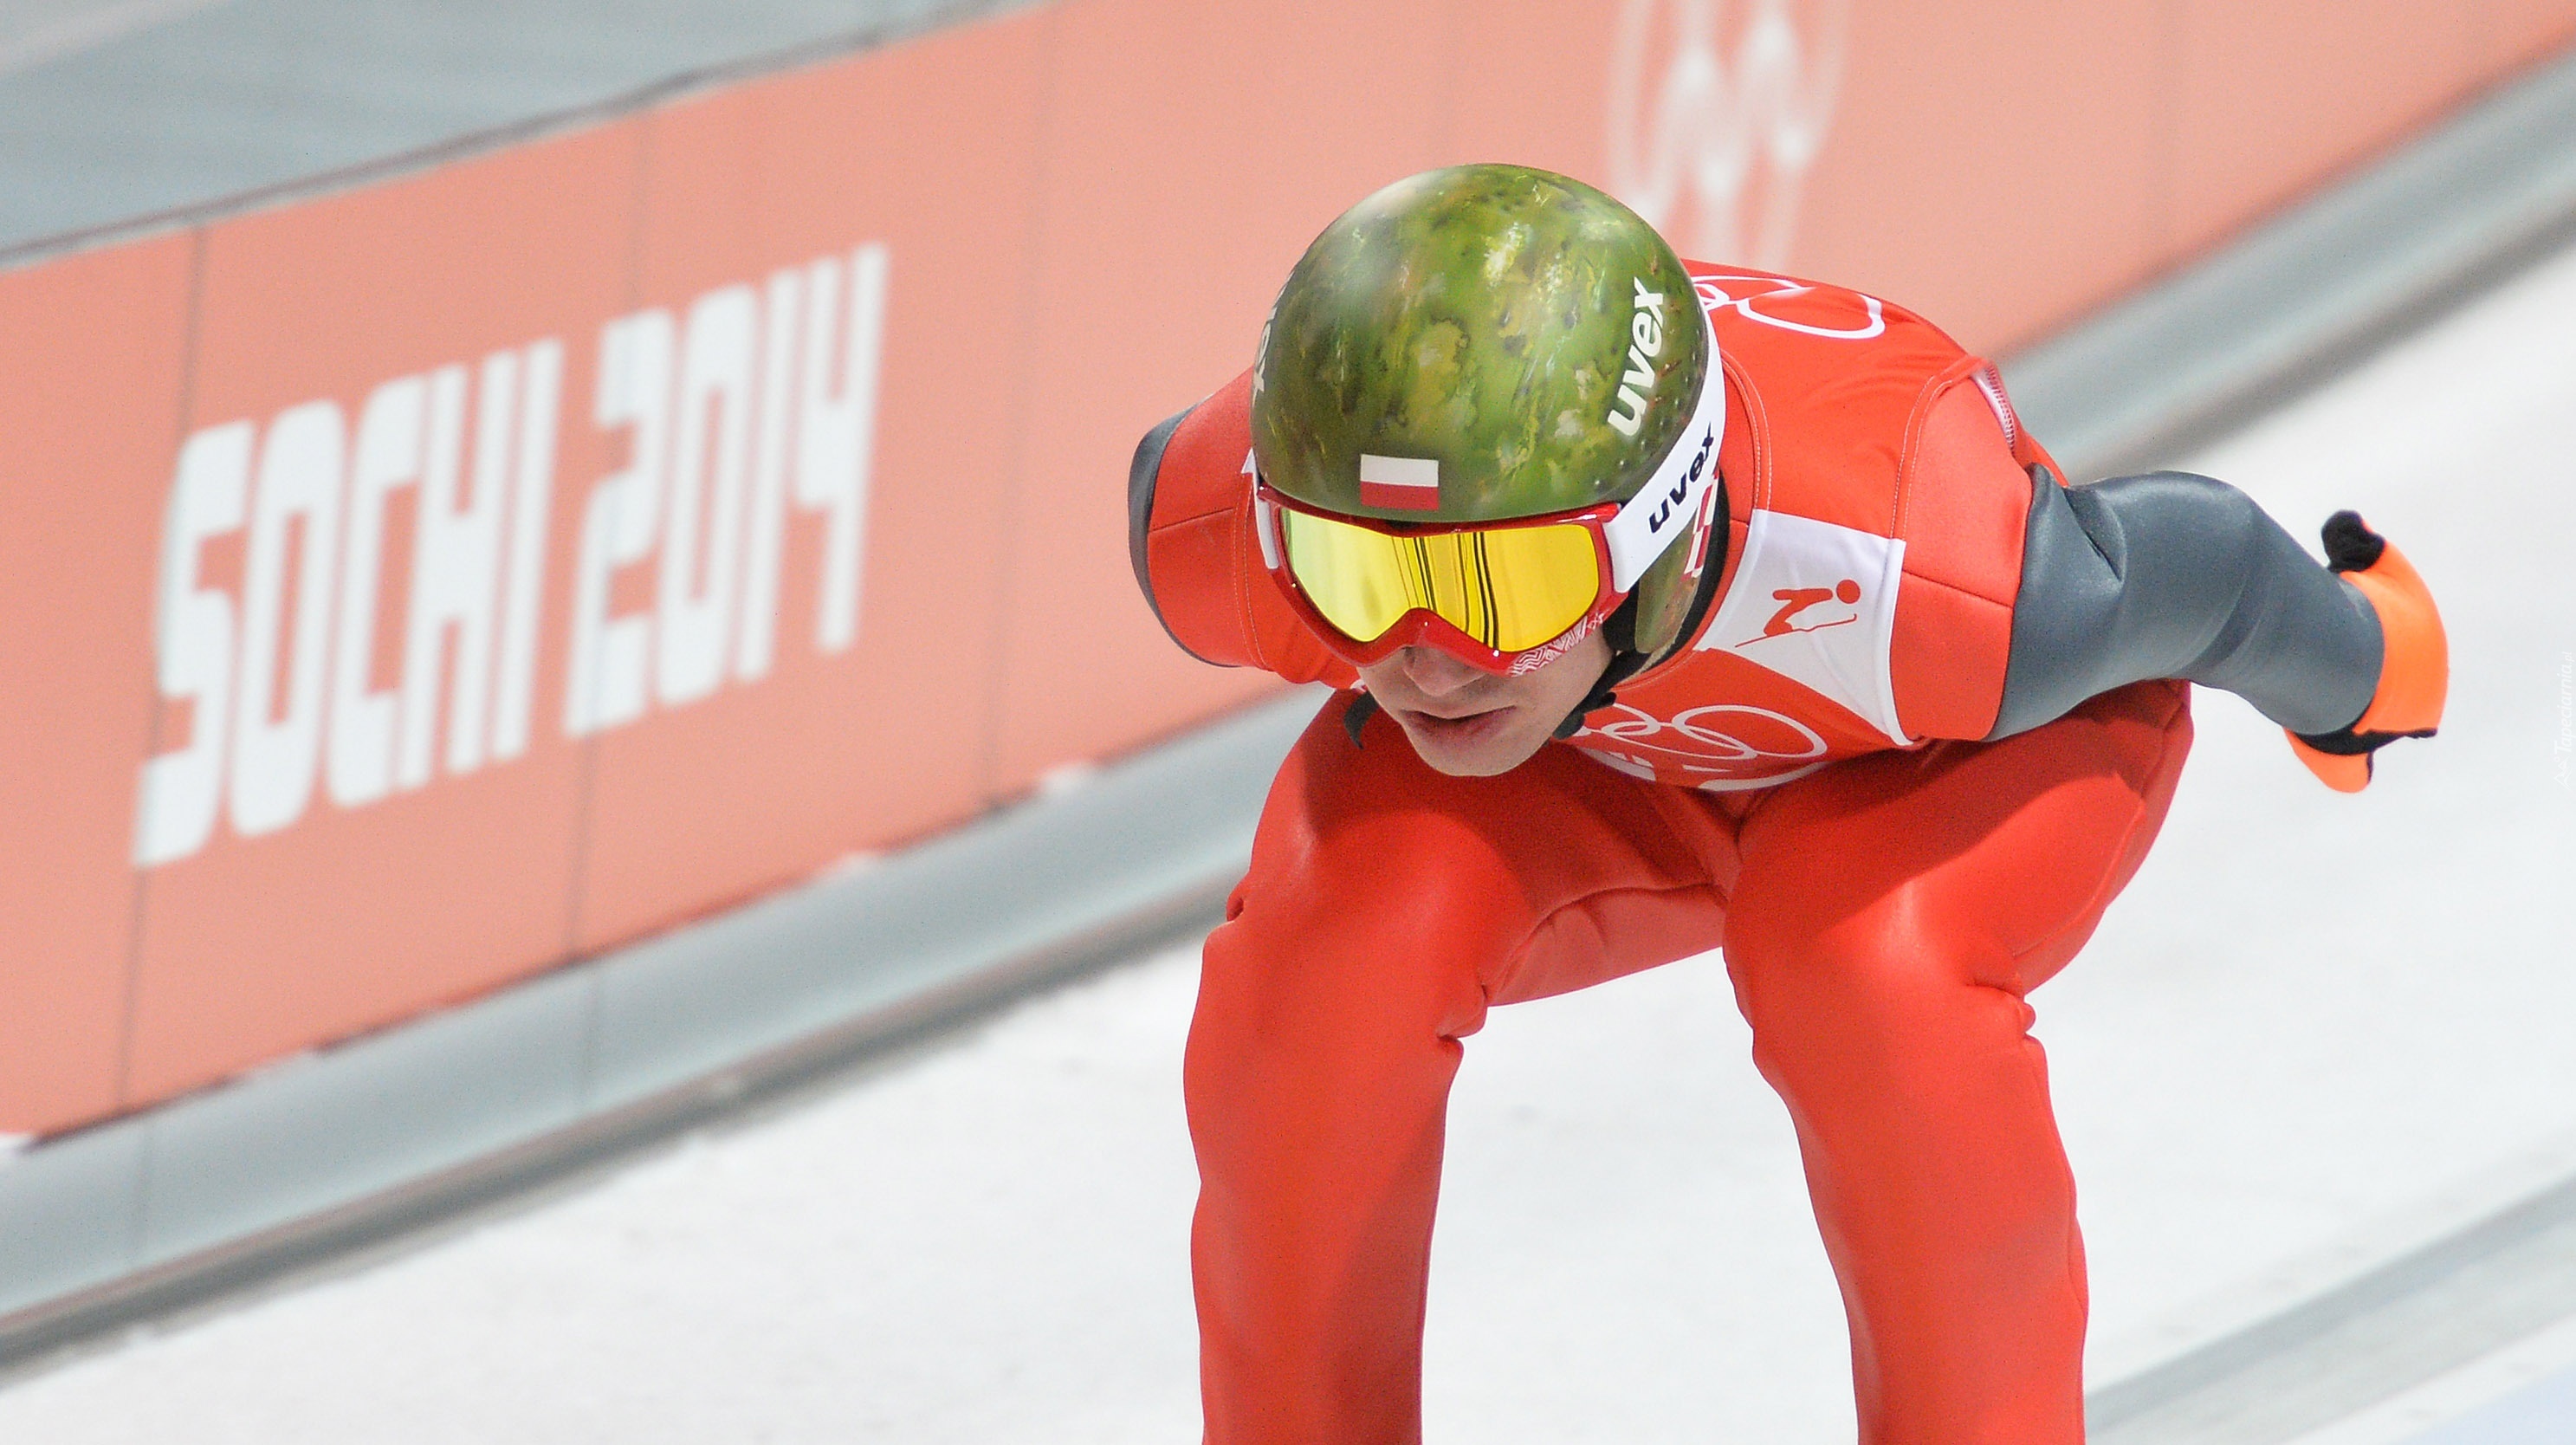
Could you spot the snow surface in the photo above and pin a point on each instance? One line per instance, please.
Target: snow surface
(2317, 1030)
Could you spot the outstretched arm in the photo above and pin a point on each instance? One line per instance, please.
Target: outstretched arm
(2175, 575)
(1189, 533)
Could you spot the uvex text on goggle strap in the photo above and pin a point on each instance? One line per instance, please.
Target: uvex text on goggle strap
(1502, 596)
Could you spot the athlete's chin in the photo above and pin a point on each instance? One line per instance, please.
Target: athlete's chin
(1484, 745)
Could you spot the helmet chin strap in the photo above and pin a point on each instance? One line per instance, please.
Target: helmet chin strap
(1363, 707)
(1619, 629)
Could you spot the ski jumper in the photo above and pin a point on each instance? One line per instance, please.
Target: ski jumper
(1922, 731)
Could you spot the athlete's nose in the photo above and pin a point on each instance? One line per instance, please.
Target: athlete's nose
(1436, 673)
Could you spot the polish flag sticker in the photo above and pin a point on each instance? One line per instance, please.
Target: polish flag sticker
(1403, 484)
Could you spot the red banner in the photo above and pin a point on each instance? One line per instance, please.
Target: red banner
(409, 589)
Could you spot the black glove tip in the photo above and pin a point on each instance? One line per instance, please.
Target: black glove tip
(2350, 544)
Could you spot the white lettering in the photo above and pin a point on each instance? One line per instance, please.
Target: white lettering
(295, 520)
(455, 561)
(764, 532)
(623, 516)
(836, 441)
(531, 505)
(1647, 330)
(1629, 421)
(710, 448)
(182, 788)
(274, 685)
(358, 764)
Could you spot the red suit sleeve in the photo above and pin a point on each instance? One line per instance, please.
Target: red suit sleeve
(1964, 499)
(1190, 536)
(2023, 597)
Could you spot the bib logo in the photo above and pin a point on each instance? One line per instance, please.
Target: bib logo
(1724, 746)
(1712, 150)
(1798, 609)
(1815, 603)
(1828, 312)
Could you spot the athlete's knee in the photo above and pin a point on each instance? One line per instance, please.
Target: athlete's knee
(1292, 1073)
(1874, 989)
(1319, 993)
(1353, 955)
(1354, 880)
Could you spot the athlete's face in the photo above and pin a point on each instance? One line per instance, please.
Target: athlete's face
(1471, 724)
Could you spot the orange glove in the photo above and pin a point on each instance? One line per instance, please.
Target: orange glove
(2415, 657)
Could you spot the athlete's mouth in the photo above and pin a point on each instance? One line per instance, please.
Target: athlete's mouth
(1454, 717)
(1463, 729)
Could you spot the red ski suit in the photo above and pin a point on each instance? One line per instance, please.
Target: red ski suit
(1801, 784)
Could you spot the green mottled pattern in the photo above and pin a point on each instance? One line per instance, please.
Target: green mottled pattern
(1480, 315)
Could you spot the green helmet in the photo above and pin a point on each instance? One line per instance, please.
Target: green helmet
(1532, 335)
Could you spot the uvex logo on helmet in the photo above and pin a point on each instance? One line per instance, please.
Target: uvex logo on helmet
(1663, 513)
(1645, 343)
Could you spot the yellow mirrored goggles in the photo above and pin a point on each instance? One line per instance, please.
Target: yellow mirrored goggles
(1508, 588)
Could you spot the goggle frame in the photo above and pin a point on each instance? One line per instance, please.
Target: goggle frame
(1421, 626)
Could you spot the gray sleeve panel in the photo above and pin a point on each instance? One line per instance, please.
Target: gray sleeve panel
(1142, 472)
(2174, 575)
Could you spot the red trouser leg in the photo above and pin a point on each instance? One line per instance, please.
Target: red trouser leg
(1888, 917)
(1888, 914)
(1386, 907)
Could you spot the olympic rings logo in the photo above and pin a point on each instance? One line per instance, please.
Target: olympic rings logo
(1727, 734)
(1737, 138)
(1778, 289)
